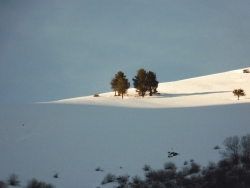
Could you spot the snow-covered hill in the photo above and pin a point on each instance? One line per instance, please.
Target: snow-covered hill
(213, 89)
(41, 139)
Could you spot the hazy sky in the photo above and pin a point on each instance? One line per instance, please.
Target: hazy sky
(51, 50)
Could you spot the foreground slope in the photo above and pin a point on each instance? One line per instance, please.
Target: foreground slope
(41, 139)
(213, 89)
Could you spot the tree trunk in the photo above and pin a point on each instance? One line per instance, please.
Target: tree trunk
(150, 91)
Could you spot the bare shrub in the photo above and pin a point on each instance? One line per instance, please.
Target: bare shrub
(56, 175)
(109, 178)
(123, 179)
(211, 165)
(136, 180)
(13, 180)
(146, 168)
(99, 169)
(170, 166)
(216, 147)
(245, 145)
(38, 184)
(194, 168)
(3, 184)
(232, 149)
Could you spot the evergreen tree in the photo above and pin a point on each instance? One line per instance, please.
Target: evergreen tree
(114, 81)
(152, 83)
(140, 82)
(123, 85)
(145, 81)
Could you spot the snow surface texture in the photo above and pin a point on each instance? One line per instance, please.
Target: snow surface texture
(189, 117)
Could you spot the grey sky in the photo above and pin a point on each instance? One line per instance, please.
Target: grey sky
(58, 49)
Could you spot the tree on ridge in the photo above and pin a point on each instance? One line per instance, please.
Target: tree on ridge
(122, 86)
(140, 82)
(152, 82)
(145, 81)
(114, 81)
(239, 92)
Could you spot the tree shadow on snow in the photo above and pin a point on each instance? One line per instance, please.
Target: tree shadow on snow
(190, 94)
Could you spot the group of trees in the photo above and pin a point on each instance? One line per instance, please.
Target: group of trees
(232, 171)
(143, 82)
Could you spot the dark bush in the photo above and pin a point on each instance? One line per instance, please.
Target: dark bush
(232, 171)
(122, 179)
(170, 166)
(13, 180)
(146, 168)
(56, 175)
(38, 184)
(194, 168)
(3, 184)
(99, 169)
(109, 178)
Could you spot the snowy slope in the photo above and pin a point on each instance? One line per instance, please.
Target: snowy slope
(41, 139)
(201, 91)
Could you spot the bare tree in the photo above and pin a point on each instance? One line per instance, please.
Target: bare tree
(232, 149)
(245, 149)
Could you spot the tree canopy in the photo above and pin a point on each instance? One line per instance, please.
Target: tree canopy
(122, 86)
(120, 83)
(145, 81)
(114, 81)
(239, 92)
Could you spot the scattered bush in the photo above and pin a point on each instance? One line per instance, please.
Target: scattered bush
(136, 180)
(194, 168)
(146, 168)
(109, 178)
(170, 166)
(99, 169)
(13, 180)
(96, 95)
(38, 184)
(216, 147)
(172, 154)
(211, 165)
(224, 173)
(3, 184)
(56, 175)
(246, 71)
(122, 180)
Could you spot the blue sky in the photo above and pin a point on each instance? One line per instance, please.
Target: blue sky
(51, 50)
